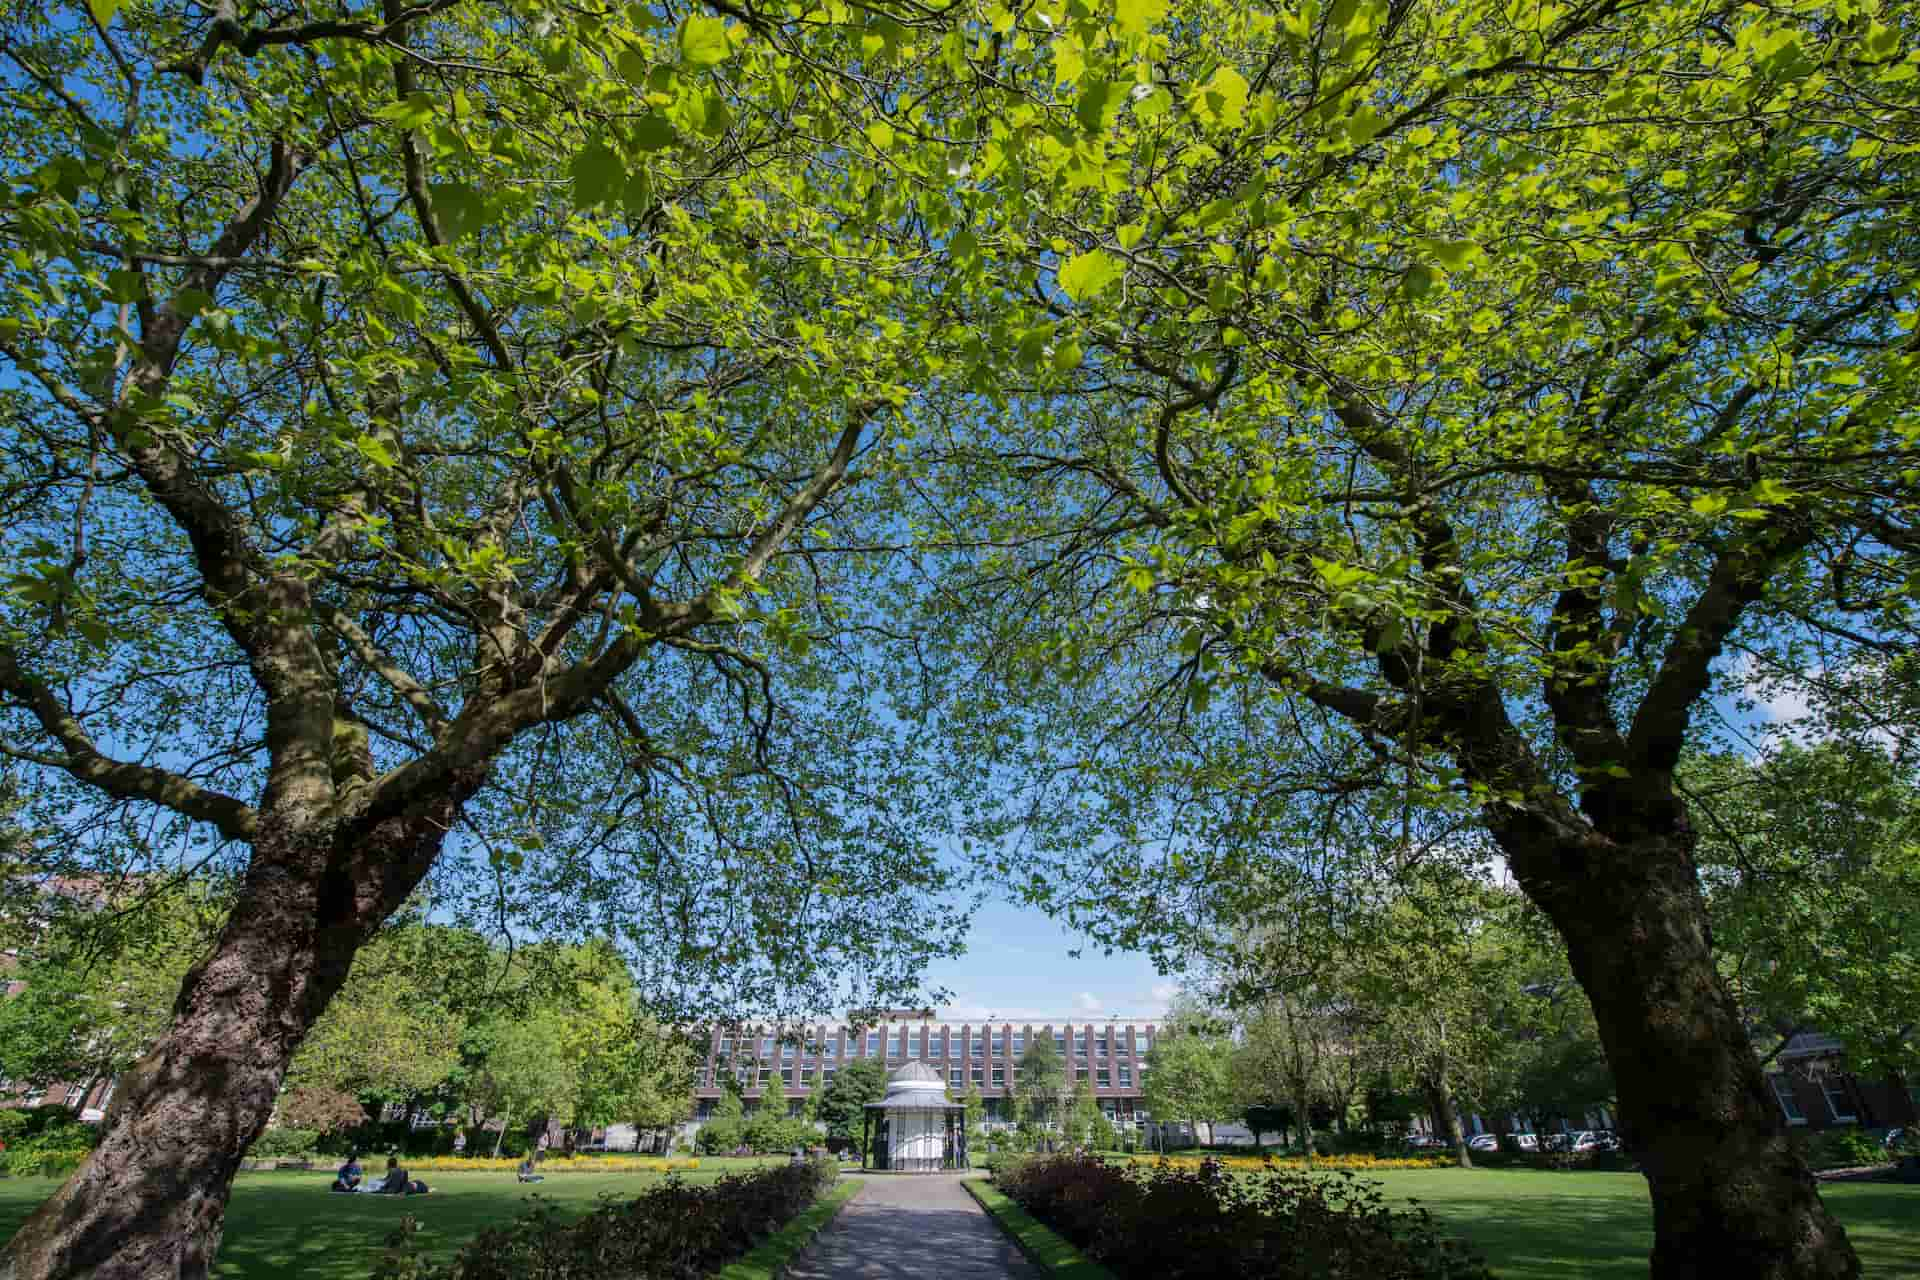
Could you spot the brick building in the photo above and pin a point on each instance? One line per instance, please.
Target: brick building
(1109, 1054)
(1815, 1091)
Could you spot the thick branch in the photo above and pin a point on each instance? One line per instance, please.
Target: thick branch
(1738, 579)
(234, 819)
(382, 664)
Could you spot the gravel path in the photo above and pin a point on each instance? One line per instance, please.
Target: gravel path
(912, 1227)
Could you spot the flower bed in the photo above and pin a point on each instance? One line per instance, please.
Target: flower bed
(1169, 1223)
(1354, 1163)
(676, 1231)
(551, 1164)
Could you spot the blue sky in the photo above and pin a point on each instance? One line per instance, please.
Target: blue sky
(1018, 962)
(1018, 966)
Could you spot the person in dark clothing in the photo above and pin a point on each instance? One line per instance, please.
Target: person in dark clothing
(396, 1183)
(526, 1170)
(348, 1178)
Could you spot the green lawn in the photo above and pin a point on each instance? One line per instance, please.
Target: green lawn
(1532, 1225)
(289, 1224)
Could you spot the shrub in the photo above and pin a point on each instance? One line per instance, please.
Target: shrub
(320, 1109)
(999, 1162)
(1844, 1148)
(1163, 1221)
(673, 1232)
(283, 1141)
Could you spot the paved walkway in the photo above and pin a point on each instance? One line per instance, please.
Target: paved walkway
(910, 1227)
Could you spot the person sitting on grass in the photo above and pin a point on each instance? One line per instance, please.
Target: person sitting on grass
(397, 1183)
(526, 1170)
(348, 1179)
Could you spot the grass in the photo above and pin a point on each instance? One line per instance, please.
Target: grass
(1530, 1225)
(1047, 1249)
(289, 1224)
(772, 1255)
(1534, 1225)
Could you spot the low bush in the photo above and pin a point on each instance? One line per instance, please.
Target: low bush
(1843, 1149)
(1171, 1223)
(283, 1141)
(676, 1231)
(44, 1141)
(999, 1162)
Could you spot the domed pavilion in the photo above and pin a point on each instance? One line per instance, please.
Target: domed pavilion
(914, 1129)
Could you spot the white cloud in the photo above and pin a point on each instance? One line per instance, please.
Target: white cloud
(1163, 994)
(1087, 1002)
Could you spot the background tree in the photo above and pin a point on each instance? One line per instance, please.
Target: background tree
(1082, 1113)
(843, 1105)
(1042, 1085)
(976, 1109)
(100, 978)
(1811, 869)
(1185, 1077)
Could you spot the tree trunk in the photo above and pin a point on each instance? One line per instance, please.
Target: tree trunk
(1440, 1098)
(501, 1137)
(1730, 1195)
(150, 1202)
(1304, 1118)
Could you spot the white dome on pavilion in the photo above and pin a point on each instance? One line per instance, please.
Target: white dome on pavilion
(915, 1083)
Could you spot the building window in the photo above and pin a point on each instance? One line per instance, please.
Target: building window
(1060, 1042)
(999, 1076)
(979, 1045)
(726, 1047)
(999, 1044)
(1100, 1043)
(1080, 1044)
(786, 1076)
(956, 1076)
(786, 1051)
(1126, 1076)
(1837, 1100)
(1783, 1093)
(1100, 1078)
(1019, 1043)
(1146, 1041)
(979, 1074)
(873, 1044)
(766, 1074)
(1080, 1074)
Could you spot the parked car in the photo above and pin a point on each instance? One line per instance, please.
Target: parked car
(1483, 1142)
(1418, 1141)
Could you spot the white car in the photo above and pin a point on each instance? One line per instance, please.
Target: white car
(1483, 1142)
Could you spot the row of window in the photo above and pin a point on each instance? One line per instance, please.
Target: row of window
(906, 1043)
(1839, 1105)
(957, 1077)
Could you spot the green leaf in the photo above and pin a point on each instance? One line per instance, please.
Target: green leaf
(1135, 17)
(1088, 275)
(1221, 102)
(415, 111)
(651, 132)
(1099, 102)
(703, 41)
(1418, 281)
(191, 302)
(599, 176)
(376, 451)
(103, 10)
(880, 134)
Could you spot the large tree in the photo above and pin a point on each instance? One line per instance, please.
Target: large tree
(1443, 388)
(435, 418)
